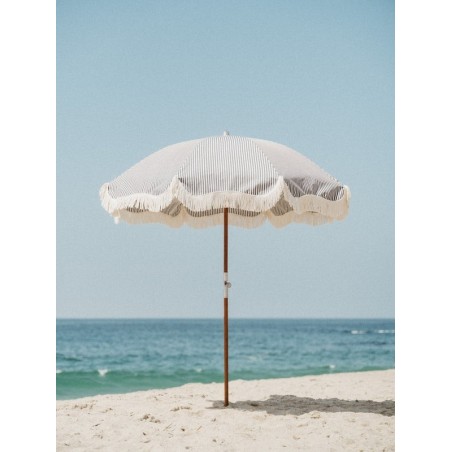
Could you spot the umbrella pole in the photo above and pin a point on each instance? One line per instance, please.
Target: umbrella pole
(226, 326)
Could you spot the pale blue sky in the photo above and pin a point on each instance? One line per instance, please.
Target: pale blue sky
(134, 76)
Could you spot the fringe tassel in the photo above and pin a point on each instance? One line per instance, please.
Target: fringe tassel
(310, 209)
(141, 201)
(280, 221)
(220, 200)
(337, 210)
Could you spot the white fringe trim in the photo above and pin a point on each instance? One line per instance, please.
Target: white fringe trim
(215, 220)
(336, 210)
(310, 209)
(220, 200)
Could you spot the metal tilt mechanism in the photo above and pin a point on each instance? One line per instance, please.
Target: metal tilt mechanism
(227, 285)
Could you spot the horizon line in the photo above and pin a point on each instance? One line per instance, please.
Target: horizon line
(221, 318)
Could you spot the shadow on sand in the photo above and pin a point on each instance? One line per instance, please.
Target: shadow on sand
(290, 404)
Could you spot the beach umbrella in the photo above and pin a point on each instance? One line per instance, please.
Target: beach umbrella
(226, 180)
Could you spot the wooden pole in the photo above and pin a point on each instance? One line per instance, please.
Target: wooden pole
(226, 327)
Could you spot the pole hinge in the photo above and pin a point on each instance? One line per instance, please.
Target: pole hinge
(227, 285)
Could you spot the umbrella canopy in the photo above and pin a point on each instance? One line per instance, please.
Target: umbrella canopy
(193, 181)
(221, 180)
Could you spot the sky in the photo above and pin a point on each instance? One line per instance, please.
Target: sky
(135, 76)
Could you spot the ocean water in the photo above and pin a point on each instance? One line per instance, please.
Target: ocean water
(116, 356)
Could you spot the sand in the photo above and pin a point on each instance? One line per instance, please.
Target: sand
(335, 412)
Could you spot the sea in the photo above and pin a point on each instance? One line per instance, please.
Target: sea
(118, 356)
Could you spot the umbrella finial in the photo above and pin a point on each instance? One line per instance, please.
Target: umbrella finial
(226, 133)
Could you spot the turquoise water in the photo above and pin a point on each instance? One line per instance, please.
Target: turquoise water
(116, 356)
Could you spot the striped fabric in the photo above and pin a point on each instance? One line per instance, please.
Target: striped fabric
(192, 182)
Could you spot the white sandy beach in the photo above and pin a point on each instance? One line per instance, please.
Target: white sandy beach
(349, 411)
